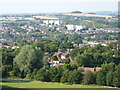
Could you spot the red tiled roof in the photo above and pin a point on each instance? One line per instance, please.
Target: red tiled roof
(90, 69)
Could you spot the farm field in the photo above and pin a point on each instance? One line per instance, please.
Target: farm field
(88, 15)
(38, 84)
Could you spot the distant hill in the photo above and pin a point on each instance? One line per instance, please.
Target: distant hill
(91, 13)
(76, 12)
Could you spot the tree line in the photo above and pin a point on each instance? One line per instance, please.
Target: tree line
(29, 62)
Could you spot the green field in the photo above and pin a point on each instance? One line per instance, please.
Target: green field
(37, 84)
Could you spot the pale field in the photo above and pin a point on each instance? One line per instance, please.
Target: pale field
(11, 18)
(88, 15)
(31, 19)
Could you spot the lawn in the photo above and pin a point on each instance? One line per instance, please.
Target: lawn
(85, 41)
(37, 84)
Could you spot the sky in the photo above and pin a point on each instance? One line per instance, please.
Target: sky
(56, 6)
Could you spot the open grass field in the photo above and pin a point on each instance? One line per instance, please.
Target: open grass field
(88, 15)
(37, 84)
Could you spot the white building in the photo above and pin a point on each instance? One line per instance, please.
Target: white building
(79, 27)
(46, 22)
(51, 21)
(55, 22)
(92, 44)
(58, 22)
(71, 27)
(75, 27)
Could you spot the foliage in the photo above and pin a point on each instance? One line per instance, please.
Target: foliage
(54, 57)
(28, 58)
(75, 77)
(87, 78)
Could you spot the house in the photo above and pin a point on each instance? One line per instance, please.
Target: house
(65, 55)
(118, 47)
(71, 27)
(62, 55)
(14, 47)
(79, 27)
(56, 63)
(90, 69)
(58, 54)
(92, 44)
(5, 46)
(47, 55)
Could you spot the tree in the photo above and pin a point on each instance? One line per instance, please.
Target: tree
(28, 59)
(84, 60)
(45, 61)
(116, 79)
(32, 75)
(39, 44)
(66, 61)
(66, 45)
(87, 78)
(54, 57)
(73, 66)
(98, 59)
(43, 75)
(55, 74)
(64, 76)
(75, 38)
(74, 52)
(101, 78)
(51, 47)
(75, 77)
(79, 41)
(7, 56)
(109, 79)
(6, 69)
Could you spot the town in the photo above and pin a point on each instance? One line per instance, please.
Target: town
(36, 28)
(72, 48)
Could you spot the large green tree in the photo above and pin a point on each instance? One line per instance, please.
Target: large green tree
(28, 59)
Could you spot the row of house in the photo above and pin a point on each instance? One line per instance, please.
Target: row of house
(12, 47)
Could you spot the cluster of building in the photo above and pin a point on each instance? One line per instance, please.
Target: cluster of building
(65, 55)
(95, 42)
(75, 27)
(60, 55)
(101, 30)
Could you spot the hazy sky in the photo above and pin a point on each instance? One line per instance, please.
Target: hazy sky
(50, 6)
